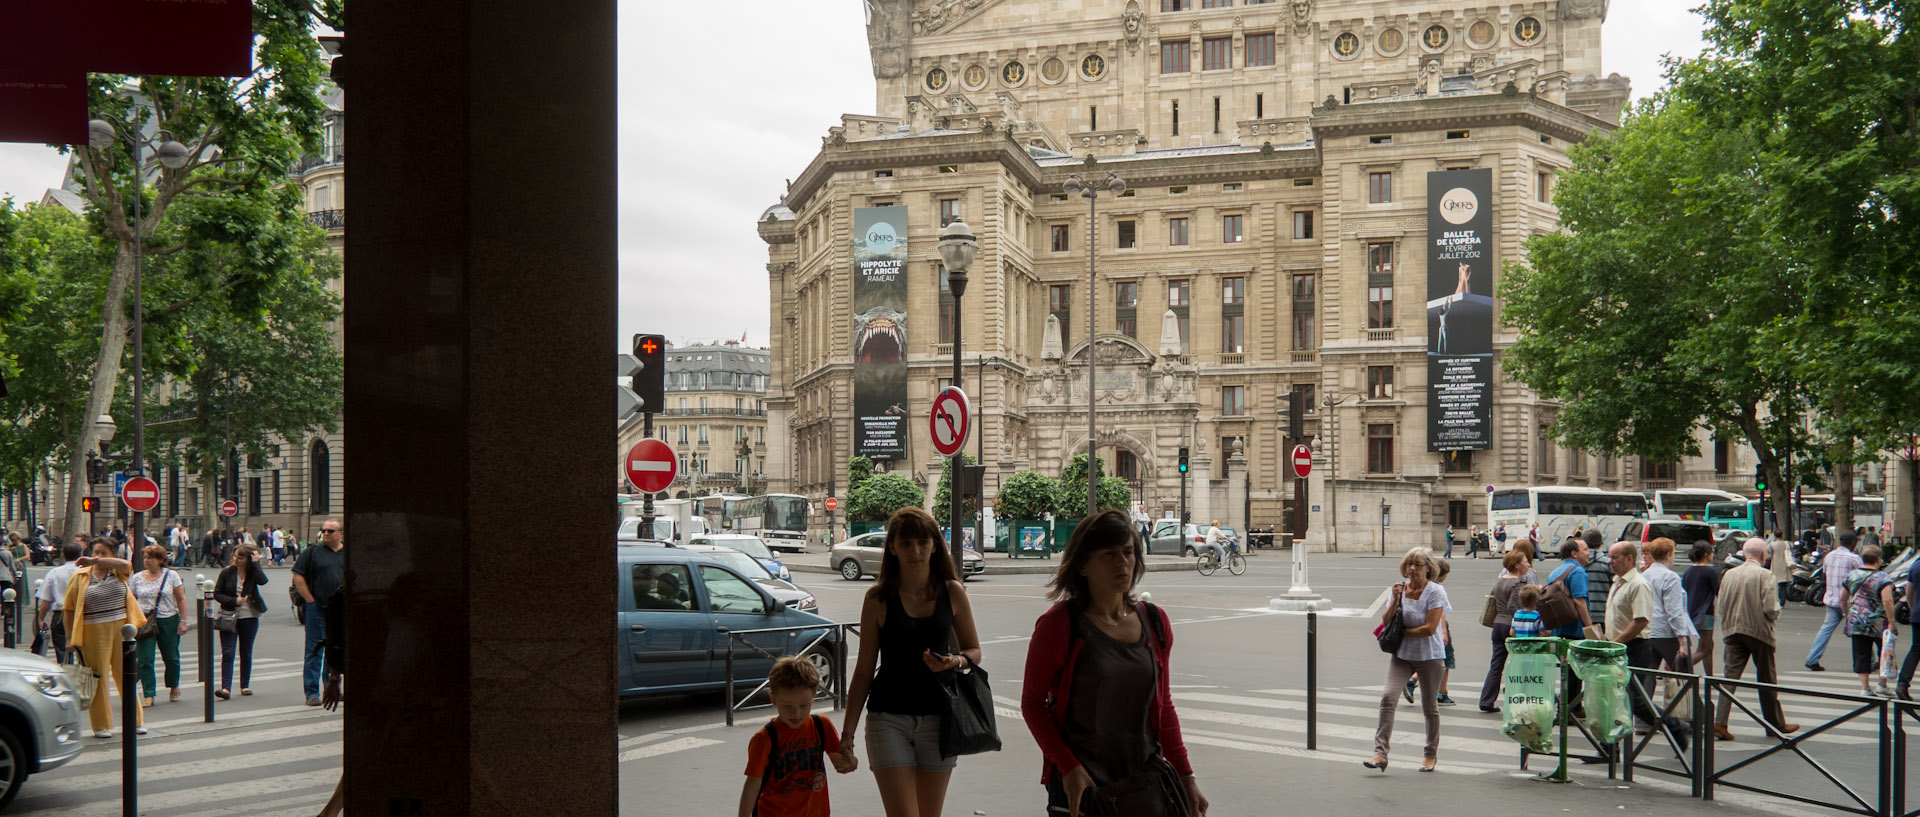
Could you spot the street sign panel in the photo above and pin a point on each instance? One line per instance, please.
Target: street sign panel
(229, 508)
(1302, 461)
(140, 494)
(949, 421)
(651, 466)
(120, 481)
(833, 504)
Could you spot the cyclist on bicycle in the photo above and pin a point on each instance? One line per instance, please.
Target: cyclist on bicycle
(1217, 542)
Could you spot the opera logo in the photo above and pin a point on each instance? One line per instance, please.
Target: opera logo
(881, 238)
(1459, 205)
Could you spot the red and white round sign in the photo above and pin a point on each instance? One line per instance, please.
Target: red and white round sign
(651, 466)
(1302, 461)
(229, 508)
(833, 504)
(140, 494)
(949, 421)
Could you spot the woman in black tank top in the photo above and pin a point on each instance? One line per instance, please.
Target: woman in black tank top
(912, 621)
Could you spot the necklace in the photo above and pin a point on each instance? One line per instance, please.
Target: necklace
(1110, 621)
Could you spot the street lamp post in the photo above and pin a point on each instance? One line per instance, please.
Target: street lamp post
(1091, 193)
(173, 155)
(957, 249)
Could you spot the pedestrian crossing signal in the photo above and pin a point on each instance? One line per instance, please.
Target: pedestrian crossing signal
(89, 504)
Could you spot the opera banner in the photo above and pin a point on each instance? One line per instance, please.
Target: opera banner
(1460, 310)
(880, 332)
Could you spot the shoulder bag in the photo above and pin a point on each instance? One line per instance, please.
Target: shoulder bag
(1558, 607)
(151, 629)
(1489, 612)
(969, 727)
(1155, 791)
(83, 679)
(1394, 631)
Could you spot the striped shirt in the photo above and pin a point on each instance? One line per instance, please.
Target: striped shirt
(106, 600)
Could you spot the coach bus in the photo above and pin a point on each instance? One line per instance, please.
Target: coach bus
(1559, 510)
(1685, 503)
(783, 522)
(731, 513)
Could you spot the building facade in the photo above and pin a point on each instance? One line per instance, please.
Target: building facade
(715, 419)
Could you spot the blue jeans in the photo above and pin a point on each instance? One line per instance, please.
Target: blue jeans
(1449, 547)
(1913, 659)
(315, 663)
(1834, 616)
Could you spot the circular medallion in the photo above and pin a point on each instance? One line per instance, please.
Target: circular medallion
(1053, 70)
(974, 76)
(1390, 41)
(1093, 66)
(937, 79)
(1013, 73)
(1434, 38)
(1480, 34)
(1528, 31)
(1347, 44)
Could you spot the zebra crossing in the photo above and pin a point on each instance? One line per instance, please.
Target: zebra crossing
(255, 760)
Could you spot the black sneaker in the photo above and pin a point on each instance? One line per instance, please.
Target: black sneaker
(1816, 668)
(313, 700)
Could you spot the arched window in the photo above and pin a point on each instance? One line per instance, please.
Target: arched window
(320, 479)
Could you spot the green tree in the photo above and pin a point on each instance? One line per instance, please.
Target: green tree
(943, 495)
(1115, 494)
(859, 470)
(241, 135)
(1657, 311)
(1073, 489)
(1027, 495)
(876, 499)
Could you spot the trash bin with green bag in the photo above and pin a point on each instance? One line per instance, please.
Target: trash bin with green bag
(1602, 666)
(1528, 704)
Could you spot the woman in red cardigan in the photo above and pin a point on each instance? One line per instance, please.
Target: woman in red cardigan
(1098, 637)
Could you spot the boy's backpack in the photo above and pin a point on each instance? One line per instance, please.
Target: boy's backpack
(773, 749)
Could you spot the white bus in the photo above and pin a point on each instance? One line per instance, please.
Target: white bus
(732, 513)
(1559, 510)
(1685, 503)
(783, 523)
(673, 519)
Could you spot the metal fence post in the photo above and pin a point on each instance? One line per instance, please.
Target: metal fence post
(129, 718)
(1313, 680)
(1887, 780)
(729, 679)
(205, 642)
(1700, 738)
(1703, 755)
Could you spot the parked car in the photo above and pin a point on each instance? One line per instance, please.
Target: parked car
(750, 545)
(787, 592)
(1171, 537)
(40, 720)
(860, 556)
(677, 610)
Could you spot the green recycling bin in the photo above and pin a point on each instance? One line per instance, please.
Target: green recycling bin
(1529, 706)
(1602, 667)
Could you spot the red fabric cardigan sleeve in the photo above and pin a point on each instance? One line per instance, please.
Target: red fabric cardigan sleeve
(1045, 682)
(1172, 745)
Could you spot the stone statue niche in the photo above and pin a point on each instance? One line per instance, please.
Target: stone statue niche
(887, 36)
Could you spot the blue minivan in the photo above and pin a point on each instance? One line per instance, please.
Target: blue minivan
(676, 610)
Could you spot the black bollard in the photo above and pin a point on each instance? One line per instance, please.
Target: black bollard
(1313, 680)
(129, 714)
(11, 638)
(205, 628)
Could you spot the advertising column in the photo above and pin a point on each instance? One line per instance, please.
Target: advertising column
(880, 333)
(1460, 310)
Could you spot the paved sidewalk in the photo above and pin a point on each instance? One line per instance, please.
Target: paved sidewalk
(814, 560)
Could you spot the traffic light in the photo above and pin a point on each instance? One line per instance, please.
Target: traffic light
(1297, 415)
(1183, 459)
(96, 470)
(1759, 478)
(650, 380)
(89, 504)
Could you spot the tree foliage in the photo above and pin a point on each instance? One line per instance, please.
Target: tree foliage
(1073, 489)
(1027, 495)
(943, 495)
(877, 498)
(859, 470)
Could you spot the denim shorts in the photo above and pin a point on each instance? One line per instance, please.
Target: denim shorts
(1704, 622)
(894, 741)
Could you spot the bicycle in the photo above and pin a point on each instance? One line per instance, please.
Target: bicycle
(1236, 562)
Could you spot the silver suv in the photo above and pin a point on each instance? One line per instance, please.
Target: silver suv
(40, 715)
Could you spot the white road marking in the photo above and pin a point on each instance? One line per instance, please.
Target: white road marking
(238, 790)
(669, 747)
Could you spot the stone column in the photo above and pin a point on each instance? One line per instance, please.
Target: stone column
(1235, 514)
(1200, 492)
(478, 322)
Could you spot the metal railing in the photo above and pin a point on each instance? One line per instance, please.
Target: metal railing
(728, 412)
(331, 154)
(335, 219)
(831, 643)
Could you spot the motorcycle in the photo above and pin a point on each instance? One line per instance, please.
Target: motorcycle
(1807, 582)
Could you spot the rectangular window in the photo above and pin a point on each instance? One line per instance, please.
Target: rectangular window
(1303, 287)
(1126, 294)
(1259, 52)
(1302, 224)
(1379, 382)
(1379, 188)
(1060, 242)
(278, 507)
(1546, 448)
(1233, 334)
(1127, 324)
(1303, 335)
(1176, 117)
(1124, 234)
(1543, 186)
(253, 496)
(1175, 5)
(1179, 293)
(946, 308)
(1177, 232)
(1230, 228)
(683, 435)
(703, 433)
(1380, 448)
(1379, 259)
(1216, 114)
(1233, 290)
(1576, 463)
(1216, 53)
(1176, 57)
(949, 211)
(1216, 4)
(1722, 457)
(1380, 307)
(1457, 462)
(1233, 400)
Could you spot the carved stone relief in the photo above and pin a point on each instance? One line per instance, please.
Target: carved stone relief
(1130, 23)
(1583, 9)
(887, 36)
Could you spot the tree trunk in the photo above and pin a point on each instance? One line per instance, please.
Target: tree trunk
(1842, 459)
(106, 377)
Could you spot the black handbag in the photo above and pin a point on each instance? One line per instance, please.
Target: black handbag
(1394, 631)
(1156, 791)
(969, 727)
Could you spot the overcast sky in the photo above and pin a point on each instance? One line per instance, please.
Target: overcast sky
(708, 137)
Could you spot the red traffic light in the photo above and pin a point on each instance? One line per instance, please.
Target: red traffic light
(89, 504)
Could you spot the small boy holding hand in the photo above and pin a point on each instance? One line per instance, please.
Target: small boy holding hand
(786, 760)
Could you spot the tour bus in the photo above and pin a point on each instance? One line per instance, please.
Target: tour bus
(1559, 510)
(731, 513)
(1815, 511)
(1685, 503)
(783, 524)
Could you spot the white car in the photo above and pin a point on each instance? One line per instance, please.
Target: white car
(861, 556)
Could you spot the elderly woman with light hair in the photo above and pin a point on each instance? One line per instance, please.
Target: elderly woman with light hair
(1423, 607)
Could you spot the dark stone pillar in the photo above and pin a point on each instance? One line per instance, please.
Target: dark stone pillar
(480, 437)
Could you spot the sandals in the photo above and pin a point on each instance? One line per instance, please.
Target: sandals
(222, 694)
(1429, 764)
(1377, 762)
(146, 702)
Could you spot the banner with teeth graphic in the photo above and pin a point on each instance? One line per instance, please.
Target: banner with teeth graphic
(880, 332)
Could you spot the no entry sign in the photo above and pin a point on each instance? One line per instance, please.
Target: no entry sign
(140, 494)
(1302, 461)
(949, 421)
(651, 466)
(833, 504)
(229, 508)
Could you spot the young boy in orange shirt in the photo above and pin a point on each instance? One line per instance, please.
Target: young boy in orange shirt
(786, 760)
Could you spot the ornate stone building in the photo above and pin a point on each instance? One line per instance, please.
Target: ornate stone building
(715, 419)
(1271, 237)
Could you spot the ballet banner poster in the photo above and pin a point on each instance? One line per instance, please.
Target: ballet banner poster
(1460, 310)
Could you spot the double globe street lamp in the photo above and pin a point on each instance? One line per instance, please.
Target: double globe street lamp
(101, 134)
(957, 250)
(1091, 193)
